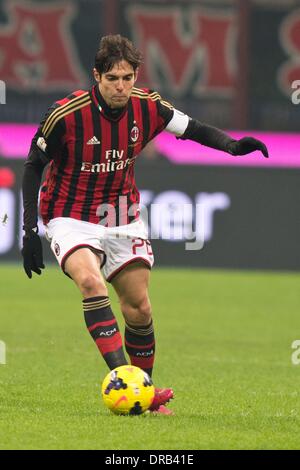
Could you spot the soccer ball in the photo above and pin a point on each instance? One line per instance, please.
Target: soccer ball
(127, 390)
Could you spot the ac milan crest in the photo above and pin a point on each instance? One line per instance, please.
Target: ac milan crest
(134, 134)
(57, 249)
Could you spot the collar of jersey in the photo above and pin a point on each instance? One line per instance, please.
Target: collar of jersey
(103, 108)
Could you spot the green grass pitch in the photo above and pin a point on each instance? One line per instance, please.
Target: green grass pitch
(223, 342)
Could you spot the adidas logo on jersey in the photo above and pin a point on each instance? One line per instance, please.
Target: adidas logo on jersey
(93, 141)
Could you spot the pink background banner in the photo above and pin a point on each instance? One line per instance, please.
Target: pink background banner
(284, 148)
(284, 151)
(15, 139)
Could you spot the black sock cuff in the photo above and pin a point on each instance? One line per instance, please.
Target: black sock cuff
(140, 330)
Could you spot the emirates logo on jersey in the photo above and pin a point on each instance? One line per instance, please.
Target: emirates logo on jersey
(134, 134)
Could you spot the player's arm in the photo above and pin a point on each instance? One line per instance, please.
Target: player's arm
(186, 128)
(40, 154)
(33, 171)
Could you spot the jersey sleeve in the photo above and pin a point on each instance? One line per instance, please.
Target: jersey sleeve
(48, 138)
(165, 110)
(43, 148)
(170, 119)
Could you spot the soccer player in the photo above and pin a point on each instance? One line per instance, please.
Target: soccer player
(89, 199)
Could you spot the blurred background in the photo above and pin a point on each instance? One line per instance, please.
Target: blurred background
(234, 64)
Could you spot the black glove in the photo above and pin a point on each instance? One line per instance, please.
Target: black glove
(32, 253)
(247, 145)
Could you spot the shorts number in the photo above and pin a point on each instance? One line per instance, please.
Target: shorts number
(139, 243)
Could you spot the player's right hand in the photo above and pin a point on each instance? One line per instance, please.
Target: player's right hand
(32, 253)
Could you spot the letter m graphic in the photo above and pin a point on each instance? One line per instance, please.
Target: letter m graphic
(191, 53)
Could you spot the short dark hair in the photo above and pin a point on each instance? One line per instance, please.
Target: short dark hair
(113, 49)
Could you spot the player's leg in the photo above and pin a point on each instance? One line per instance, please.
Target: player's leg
(129, 257)
(83, 266)
(131, 286)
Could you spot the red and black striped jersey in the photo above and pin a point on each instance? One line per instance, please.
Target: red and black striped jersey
(92, 154)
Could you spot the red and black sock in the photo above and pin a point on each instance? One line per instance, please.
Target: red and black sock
(104, 330)
(140, 346)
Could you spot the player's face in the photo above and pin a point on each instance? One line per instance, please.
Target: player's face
(116, 85)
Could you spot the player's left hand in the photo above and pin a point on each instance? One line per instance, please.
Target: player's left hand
(32, 253)
(247, 145)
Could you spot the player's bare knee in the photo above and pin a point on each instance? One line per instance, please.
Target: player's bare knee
(91, 284)
(139, 314)
(145, 312)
